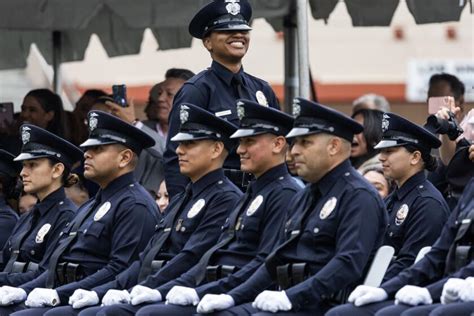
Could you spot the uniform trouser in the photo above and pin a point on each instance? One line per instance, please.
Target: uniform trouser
(7, 310)
(32, 311)
(458, 309)
(352, 310)
(247, 309)
(114, 310)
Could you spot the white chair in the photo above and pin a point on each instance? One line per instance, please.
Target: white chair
(423, 251)
(379, 266)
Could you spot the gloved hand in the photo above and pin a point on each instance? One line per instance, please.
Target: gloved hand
(272, 301)
(182, 295)
(40, 297)
(413, 295)
(212, 302)
(11, 295)
(113, 297)
(451, 289)
(142, 294)
(364, 294)
(82, 298)
(466, 293)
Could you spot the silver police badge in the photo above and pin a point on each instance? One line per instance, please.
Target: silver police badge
(102, 211)
(233, 7)
(25, 134)
(296, 108)
(184, 114)
(254, 205)
(385, 122)
(328, 207)
(402, 214)
(240, 111)
(42, 233)
(261, 98)
(93, 121)
(196, 208)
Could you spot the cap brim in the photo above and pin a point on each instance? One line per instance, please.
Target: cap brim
(246, 132)
(231, 27)
(388, 143)
(97, 142)
(301, 131)
(181, 137)
(30, 156)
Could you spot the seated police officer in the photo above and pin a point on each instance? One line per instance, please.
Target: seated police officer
(193, 220)
(426, 282)
(335, 227)
(223, 27)
(9, 171)
(47, 160)
(108, 232)
(252, 229)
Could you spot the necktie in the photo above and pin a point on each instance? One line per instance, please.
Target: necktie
(239, 89)
(145, 269)
(230, 234)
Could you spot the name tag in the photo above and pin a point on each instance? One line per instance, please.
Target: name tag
(222, 113)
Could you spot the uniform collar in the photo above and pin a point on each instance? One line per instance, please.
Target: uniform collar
(331, 178)
(52, 199)
(268, 177)
(225, 74)
(116, 185)
(410, 184)
(207, 180)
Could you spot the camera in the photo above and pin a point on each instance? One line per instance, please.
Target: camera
(120, 94)
(449, 127)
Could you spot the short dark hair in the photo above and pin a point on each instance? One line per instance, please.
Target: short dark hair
(372, 127)
(179, 73)
(456, 85)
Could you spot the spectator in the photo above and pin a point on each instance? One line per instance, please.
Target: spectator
(26, 202)
(381, 183)
(371, 102)
(162, 198)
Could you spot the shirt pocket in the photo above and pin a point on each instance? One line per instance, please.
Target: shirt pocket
(249, 232)
(95, 229)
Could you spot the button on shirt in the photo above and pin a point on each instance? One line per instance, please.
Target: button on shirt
(212, 90)
(44, 222)
(417, 212)
(336, 241)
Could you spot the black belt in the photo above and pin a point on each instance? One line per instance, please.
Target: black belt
(68, 272)
(21, 267)
(290, 274)
(239, 178)
(214, 273)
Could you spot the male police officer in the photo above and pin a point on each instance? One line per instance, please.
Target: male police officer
(253, 228)
(337, 224)
(193, 217)
(223, 27)
(108, 232)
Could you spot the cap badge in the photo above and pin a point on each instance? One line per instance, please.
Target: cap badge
(184, 114)
(401, 215)
(42, 232)
(254, 205)
(196, 208)
(240, 111)
(296, 108)
(328, 207)
(25, 134)
(93, 121)
(232, 7)
(385, 122)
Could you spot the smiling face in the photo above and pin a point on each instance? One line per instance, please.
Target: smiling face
(32, 112)
(227, 47)
(399, 164)
(256, 153)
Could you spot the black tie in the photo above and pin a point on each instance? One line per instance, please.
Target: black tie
(239, 88)
(146, 269)
(230, 234)
(76, 223)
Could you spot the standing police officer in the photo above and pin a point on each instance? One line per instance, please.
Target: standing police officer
(108, 232)
(8, 175)
(223, 27)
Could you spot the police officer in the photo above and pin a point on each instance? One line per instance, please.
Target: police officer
(253, 227)
(422, 284)
(193, 217)
(223, 27)
(47, 160)
(108, 232)
(9, 171)
(335, 227)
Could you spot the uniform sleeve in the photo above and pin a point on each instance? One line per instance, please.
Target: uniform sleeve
(275, 214)
(134, 226)
(436, 288)
(175, 181)
(124, 280)
(203, 238)
(8, 221)
(422, 229)
(248, 291)
(359, 232)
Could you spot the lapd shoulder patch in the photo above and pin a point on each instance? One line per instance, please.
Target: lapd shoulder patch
(261, 98)
(402, 214)
(102, 211)
(196, 208)
(42, 232)
(254, 205)
(327, 208)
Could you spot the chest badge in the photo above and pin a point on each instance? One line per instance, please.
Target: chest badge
(402, 214)
(261, 98)
(196, 208)
(328, 207)
(254, 205)
(102, 211)
(42, 232)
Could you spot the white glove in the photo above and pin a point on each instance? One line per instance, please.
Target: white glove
(212, 302)
(182, 295)
(364, 294)
(466, 293)
(451, 289)
(11, 295)
(142, 294)
(272, 301)
(82, 298)
(114, 297)
(413, 295)
(40, 297)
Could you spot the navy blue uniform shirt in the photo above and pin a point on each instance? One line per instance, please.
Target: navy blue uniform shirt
(110, 238)
(195, 229)
(212, 90)
(44, 224)
(337, 240)
(8, 220)
(417, 212)
(257, 231)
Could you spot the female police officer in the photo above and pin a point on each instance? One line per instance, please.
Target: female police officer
(47, 160)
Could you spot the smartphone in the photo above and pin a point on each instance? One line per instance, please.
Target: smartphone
(436, 103)
(6, 114)
(119, 93)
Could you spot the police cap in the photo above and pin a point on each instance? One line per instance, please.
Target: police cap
(8, 166)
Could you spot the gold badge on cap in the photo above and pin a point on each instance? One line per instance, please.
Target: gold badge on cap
(233, 7)
(104, 208)
(254, 205)
(42, 232)
(196, 208)
(93, 121)
(401, 214)
(328, 207)
(25, 134)
(261, 98)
